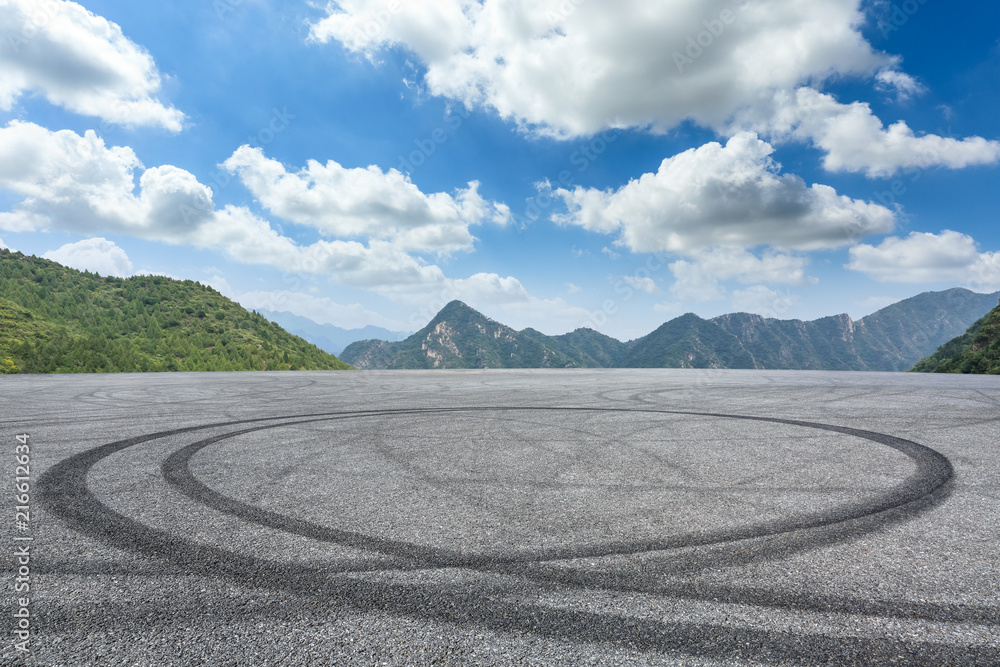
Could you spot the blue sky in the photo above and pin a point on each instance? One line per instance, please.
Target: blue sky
(554, 164)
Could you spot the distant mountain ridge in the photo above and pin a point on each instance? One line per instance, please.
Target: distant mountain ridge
(891, 339)
(329, 337)
(975, 351)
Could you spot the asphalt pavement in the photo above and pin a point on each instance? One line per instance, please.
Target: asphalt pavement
(577, 517)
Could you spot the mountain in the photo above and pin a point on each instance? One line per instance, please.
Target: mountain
(975, 351)
(589, 348)
(57, 319)
(891, 339)
(328, 337)
(460, 337)
(688, 341)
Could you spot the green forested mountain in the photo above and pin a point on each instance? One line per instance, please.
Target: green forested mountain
(588, 348)
(54, 319)
(891, 339)
(975, 351)
(460, 337)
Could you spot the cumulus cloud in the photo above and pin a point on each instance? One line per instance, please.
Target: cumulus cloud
(928, 258)
(699, 278)
(668, 308)
(318, 309)
(3, 246)
(643, 284)
(250, 239)
(573, 68)
(80, 61)
(904, 85)
(730, 195)
(566, 68)
(762, 300)
(97, 255)
(855, 140)
(873, 303)
(75, 183)
(550, 316)
(365, 203)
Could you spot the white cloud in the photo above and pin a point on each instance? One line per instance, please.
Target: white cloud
(611, 253)
(699, 278)
(570, 287)
(928, 258)
(730, 195)
(668, 308)
(550, 316)
(80, 61)
(855, 140)
(97, 255)
(643, 284)
(574, 68)
(3, 246)
(763, 301)
(75, 183)
(873, 303)
(318, 309)
(366, 203)
(503, 298)
(569, 68)
(378, 266)
(904, 85)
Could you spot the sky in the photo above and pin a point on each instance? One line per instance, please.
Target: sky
(554, 164)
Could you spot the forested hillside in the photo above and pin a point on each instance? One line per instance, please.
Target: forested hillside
(54, 319)
(975, 351)
(460, 337)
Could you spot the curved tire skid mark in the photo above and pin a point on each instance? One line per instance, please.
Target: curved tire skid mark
(63, 492)
(933, 472)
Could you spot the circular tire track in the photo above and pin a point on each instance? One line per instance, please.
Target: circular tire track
(507, 605)
(64, 492)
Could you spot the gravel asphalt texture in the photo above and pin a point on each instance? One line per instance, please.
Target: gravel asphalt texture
(578, 517)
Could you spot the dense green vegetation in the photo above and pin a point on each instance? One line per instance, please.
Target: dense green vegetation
(688, 341)
(459, 337)
(891, 339)
(54, 319)
(975, 351)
